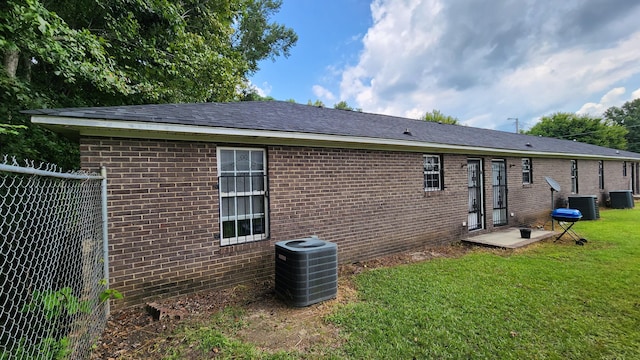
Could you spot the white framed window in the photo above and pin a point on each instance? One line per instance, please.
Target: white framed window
(527, 176)
(433, 173)
(242, 185)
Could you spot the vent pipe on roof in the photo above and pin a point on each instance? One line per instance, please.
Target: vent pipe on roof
(407, 131)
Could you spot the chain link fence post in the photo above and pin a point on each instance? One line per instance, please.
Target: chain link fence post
(53, 261)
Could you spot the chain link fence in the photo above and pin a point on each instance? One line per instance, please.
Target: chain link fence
(53, 271)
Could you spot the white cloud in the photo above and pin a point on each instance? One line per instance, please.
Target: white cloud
(322, 93)
(611, 98)
(264, 90)
(484, 63)
(615, 97)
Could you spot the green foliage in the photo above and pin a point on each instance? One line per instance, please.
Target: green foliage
(250, 93)
(50, 58)
(583, 128)
(342, 105)
(169, 57)
(11, 129)
(72, 53)
(46, 44)
(256, 39)
(46, 349)
(627, 116)
(35, 142)
(439, 117)
(110, 294)
(54, 304)
(317, 103)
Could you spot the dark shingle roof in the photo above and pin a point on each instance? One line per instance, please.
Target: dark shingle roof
(292, 117)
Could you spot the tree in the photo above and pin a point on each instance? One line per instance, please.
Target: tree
(584, 128)
(342, 105)
(250, 92)
(69, 53)
(627, 116)
(437, 116)
(43, 58)
(6, 129)
(257, 39)
(254, 96)
(316, 103)
(183, 50)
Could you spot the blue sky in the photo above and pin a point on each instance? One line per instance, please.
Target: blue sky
(480, 61)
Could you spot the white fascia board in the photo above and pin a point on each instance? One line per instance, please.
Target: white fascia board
(165, 131)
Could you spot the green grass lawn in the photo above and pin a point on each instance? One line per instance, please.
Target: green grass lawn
(547, 301)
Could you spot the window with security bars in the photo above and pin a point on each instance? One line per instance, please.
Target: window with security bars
(243, 195)
(432, 173)
(601, 174)
(574, 176)
(527, 177)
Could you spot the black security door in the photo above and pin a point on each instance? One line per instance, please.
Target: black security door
(499, 178)
(635, 181)
(476, 212)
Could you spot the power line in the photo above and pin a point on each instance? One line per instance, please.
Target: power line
(594, 131)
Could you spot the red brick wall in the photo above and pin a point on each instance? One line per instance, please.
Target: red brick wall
(163, 208)
(530, 202)
(370, 203)
(533, 201)
(163, 217)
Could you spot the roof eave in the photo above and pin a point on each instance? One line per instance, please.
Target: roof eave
(180, 132)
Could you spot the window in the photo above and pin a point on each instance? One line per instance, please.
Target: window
(624, 168)
(527, 177)
(242, 185)
(432, 173)
(601, 174)
(574, 176)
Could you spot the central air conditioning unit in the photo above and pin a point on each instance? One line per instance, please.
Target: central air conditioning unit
(587, 204)
(306, 271)
(621, 199)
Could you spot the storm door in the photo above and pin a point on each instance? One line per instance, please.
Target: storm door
(634, 178)
(499, 179)
(476, 213)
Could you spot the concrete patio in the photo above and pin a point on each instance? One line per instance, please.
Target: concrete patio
(509, 238)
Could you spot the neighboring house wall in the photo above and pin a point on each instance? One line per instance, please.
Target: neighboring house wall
(164, 229)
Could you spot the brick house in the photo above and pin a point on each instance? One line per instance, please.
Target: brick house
(199, 193)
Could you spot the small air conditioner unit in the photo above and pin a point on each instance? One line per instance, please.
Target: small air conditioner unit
(621, 199)
(306, 271)
(587, 204)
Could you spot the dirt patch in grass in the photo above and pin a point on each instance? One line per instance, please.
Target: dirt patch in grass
(271, 325)
(268, 323)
